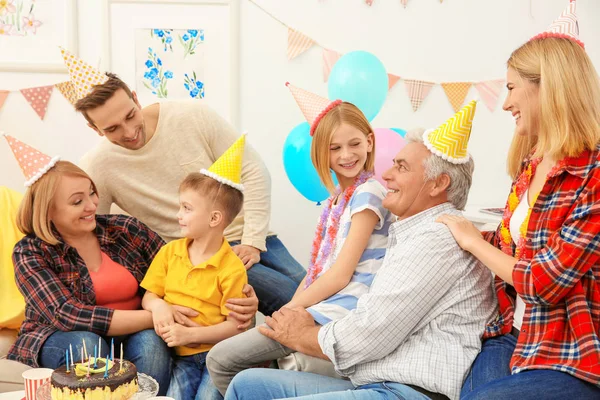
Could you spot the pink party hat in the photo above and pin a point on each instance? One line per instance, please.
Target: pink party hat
(33, 163)
(565, 26)
(314, 107)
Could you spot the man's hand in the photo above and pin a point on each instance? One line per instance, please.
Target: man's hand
(182, 315)
(176, 335)
(244, 309)
(248, 254)
(288, 326)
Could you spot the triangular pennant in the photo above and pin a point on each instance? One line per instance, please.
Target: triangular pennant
(298, 43)
(68, 91)
(3, 96)
(489, 92)
(404, 3)
(330, 57)
(38, 98)
(456, 93)
(369, 2)
(228, 168)
(392, 80)
(417, 91)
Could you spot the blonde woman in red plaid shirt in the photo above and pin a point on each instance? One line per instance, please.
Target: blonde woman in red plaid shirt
(545, 254)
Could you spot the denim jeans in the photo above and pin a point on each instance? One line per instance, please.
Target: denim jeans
(258, 383)
(490, 378)
(276, 277)
(145, 349)
(191, 380)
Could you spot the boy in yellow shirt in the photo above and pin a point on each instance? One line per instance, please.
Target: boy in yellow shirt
(200, 271)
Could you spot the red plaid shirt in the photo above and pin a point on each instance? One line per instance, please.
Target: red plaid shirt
(57, 287)
(558, 276)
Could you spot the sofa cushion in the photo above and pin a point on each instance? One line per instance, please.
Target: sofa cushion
(10, 375)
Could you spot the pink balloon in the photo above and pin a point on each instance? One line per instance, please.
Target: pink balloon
(387, 144)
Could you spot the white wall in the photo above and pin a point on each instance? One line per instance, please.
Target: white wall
(424, 41)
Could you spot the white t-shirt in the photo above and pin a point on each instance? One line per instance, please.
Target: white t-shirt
(516, 221)
(368, 196)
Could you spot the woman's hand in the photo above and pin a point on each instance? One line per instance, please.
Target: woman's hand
(244, 309)
(463, 230)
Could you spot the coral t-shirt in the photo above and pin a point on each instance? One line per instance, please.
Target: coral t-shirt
(115, 286)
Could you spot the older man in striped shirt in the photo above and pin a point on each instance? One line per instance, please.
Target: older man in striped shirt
(417, 331)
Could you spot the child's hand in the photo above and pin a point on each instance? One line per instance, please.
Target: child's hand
(176, 335)
(162, 316)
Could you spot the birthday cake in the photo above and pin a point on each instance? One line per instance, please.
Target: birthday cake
(117, 381)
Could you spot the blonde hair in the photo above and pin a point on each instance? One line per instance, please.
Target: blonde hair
(33, 215)
(569, 93)
(345, 113)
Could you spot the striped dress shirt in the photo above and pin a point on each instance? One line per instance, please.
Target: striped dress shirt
(421, 322)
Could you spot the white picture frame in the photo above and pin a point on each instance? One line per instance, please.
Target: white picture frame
(40, 52)
(218, 18)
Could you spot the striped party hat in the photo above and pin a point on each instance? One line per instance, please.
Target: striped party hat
(450, 140)
(565, 26)
(313, 106)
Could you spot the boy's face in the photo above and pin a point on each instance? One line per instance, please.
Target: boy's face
(195, 215)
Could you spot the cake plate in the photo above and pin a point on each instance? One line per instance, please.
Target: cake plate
(148, 387)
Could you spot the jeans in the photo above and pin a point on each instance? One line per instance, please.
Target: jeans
(275, 277)
(191, 380)
(259, 383)
(490, 378)
(145, 349)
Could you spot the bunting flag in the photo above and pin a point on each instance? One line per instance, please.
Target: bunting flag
(38, 98)
(489, 92)
(330, 57)
(369, 2)
(456, 93)
(3, 96)
(67, 90)
(298, 43)
(392, 80)
(417, 91)
(404, 2)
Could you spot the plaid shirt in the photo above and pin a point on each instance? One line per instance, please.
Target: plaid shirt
(558, 276)
(57, 287)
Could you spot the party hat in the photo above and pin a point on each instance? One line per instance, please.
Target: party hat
(565, 26)
(83, 76)
(314, 107)
(33, 163)
(449, 141)
(228, 168)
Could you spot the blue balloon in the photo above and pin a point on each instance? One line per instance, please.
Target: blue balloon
(402, 132)
(298, 165)
(361, 79)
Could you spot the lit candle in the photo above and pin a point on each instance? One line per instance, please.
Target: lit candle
(67, 357)
(95, 357)
(106, 369)
(99, 347)
(121, 364)
(85, 349)
(72, 359)
(112, 349)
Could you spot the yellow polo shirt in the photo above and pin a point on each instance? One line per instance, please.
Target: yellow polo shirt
(204, 287)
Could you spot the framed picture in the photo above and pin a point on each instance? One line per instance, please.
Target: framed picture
(173, 50)
(31, 32)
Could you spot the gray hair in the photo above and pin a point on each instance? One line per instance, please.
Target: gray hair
(461, 175)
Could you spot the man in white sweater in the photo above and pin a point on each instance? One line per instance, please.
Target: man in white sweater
(147, 154)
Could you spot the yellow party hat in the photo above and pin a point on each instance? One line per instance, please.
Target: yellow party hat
(83, 76)
(449, 141)
(228, 168)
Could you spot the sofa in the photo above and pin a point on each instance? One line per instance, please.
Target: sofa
(12, 305)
